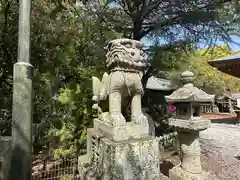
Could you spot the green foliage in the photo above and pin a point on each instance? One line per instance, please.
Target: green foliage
(8, 45)
(65, 177)
(75, 102)
(66, 136)
(209, 78)
(67, 49)
(156, 106)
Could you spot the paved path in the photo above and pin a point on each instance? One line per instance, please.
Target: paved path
(220, 144)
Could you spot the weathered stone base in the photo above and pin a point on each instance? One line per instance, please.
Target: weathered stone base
(121, 133)
(136, 159)
(177, 173)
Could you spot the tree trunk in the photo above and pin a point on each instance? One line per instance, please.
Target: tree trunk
(137, 26)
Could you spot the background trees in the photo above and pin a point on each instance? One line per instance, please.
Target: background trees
(176, 24)
(68, 48)
(208, 78)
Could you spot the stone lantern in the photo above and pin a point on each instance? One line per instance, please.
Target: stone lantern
(188, 122)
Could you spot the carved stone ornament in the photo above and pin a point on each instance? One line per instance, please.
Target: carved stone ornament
(126, 61)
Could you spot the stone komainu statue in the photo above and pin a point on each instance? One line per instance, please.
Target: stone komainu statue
(126, 61)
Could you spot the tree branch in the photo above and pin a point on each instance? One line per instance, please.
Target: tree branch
(151, 8)
(144, 9)
(179, 17)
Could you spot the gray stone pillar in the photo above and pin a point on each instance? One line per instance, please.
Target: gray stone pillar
(190, 148)
(21, 160)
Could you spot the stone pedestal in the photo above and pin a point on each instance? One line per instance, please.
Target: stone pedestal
(177, 173)
(191, 152)
(188, 134)
(122, 133)
(109, 158)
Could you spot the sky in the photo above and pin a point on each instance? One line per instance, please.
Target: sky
(234, 46)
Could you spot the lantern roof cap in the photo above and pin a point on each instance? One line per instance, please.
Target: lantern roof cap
(188, 92)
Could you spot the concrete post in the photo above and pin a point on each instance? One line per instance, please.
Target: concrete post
(21, 162)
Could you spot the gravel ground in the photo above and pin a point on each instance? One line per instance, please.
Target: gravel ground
(220, 144)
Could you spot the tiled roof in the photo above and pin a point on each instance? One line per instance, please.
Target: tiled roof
(160, 84)
(236, 95)
(227, 58)
(233, 96)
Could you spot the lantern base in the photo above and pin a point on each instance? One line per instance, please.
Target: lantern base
(177, 173)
